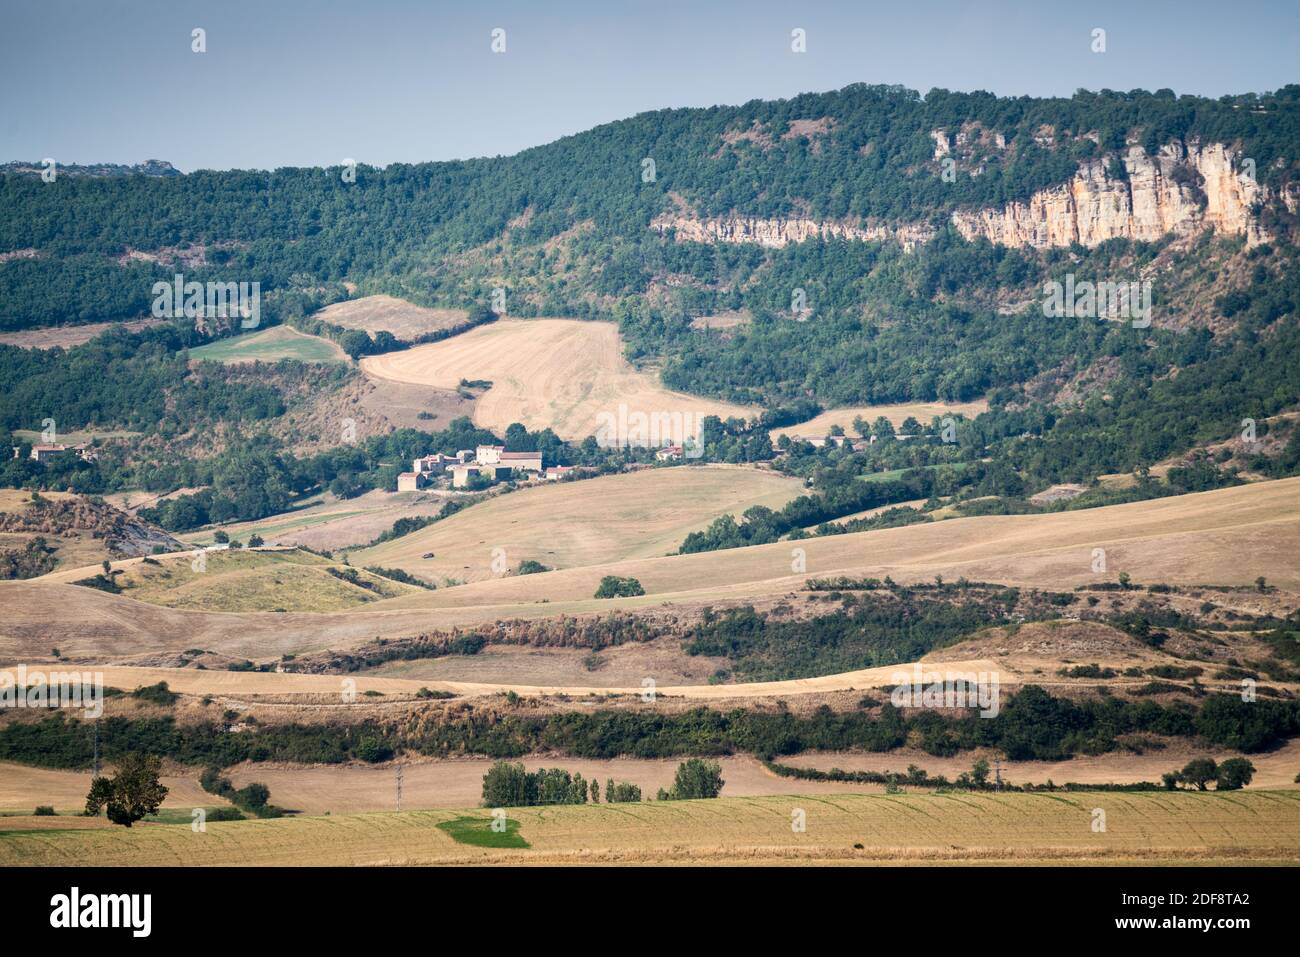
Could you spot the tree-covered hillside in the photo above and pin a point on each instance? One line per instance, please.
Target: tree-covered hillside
(865, 151)
(565, 229)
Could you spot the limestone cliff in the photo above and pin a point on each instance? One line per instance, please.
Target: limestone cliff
(774, 233)
(1177, 191)
(1180, 191)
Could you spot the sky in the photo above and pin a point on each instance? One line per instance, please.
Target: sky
(315, 82)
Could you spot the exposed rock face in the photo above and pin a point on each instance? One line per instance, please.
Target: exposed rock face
(1179, 191)
(774, 233)
(1156, 199)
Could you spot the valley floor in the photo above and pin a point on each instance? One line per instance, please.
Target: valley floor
(1257, 827)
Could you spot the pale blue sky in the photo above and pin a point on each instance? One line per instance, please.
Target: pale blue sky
(298, 83)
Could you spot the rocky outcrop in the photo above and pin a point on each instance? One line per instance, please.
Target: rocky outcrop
(1180, 191)
(123, 536)
(774, 233)
(1177, 191)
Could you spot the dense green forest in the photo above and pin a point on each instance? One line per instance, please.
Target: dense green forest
(399, 229)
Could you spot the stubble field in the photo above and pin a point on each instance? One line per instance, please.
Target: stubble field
(1250, 827)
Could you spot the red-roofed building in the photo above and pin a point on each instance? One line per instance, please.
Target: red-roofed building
(669, 453)
(42, 453)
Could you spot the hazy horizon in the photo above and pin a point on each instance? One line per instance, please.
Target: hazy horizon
(311, 84)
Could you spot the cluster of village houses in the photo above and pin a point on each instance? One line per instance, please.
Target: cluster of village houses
(495, 463)
(490, 461)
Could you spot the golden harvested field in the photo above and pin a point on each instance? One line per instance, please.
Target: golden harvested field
(323, 690)
(545, 373)
(596, 521)
(1228, 537)
(405, 320)
(433, 783)
(458, 782)
(23, 787)
(1245, 827)
(923, 412)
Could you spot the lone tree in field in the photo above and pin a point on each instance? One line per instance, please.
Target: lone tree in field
(1200, 772)
(133, 792)
(697, 778)
(1234, 774)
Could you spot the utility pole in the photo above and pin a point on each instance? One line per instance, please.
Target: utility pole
(997, 772)
(399, 787)
(96, 747)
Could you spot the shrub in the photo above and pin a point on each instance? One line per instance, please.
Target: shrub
(225, 814)
(621, 792)
(398, 575)
(612, 586)
(697, 778)
(44, 810)
(508, 784)
(156, 694)
(372, 750)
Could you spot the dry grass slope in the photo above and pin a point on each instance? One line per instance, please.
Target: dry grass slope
(592, 522)
(1229, 537)
(251, 581)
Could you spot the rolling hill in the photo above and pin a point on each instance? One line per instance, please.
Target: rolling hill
(571, 524)
(1226, 537)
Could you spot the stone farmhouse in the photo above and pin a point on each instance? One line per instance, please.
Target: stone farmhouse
(43, 453)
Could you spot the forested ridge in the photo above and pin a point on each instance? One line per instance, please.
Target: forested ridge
(566, 227)
(398, 226)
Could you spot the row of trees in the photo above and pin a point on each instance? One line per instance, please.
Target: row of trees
(1031, 724)
(508, 784)
(1229, 775)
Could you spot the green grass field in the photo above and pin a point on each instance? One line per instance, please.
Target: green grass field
(270, 345)
(891, 474)
(478, 832)
(922, 827)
